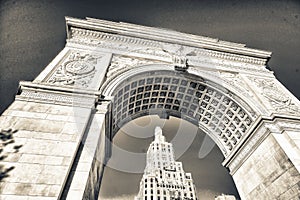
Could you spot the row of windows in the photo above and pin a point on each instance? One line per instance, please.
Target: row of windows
(162, 148)
(158, 198)
(165, 197)
(168, 186)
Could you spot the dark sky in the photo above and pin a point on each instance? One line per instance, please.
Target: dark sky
(32, 32)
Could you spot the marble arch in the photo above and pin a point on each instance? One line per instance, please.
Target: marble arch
(62, 122)
(158, 89)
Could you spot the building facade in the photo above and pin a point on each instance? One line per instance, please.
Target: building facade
(164, 178)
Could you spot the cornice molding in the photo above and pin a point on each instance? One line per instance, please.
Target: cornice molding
(91, 33)
(119, 42)
(54, 95)
(159, 34)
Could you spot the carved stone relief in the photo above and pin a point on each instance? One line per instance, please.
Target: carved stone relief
(152, 51)
(236, 80)
(77, 70)
(120, 64)
(279, 100)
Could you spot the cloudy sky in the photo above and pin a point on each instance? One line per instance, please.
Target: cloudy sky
(32, 32)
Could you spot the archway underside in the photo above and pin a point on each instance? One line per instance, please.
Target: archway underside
(185, 96)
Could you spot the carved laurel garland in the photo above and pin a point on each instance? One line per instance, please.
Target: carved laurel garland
(78, 69)
(279, 100)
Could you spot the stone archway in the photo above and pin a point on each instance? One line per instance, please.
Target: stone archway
(224, 116)
(109, 73)
(167, 92)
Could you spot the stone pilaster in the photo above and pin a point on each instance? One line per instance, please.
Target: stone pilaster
(85, 177)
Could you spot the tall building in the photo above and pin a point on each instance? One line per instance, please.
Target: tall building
(164, 178)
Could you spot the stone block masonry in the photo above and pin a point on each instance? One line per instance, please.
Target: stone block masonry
(40, 145)
(265, 173)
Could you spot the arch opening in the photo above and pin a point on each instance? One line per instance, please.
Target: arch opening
(166, 93)
(210, 177)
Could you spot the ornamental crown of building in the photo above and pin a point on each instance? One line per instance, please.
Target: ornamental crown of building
(164, 178)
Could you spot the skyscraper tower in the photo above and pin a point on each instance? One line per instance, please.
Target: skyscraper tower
(164, 178)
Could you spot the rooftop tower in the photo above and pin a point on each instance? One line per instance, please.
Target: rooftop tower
(164, 178)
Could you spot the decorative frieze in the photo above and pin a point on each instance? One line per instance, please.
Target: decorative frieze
(229, 56)
(96, 37)
(154, 51)
(125, 43)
